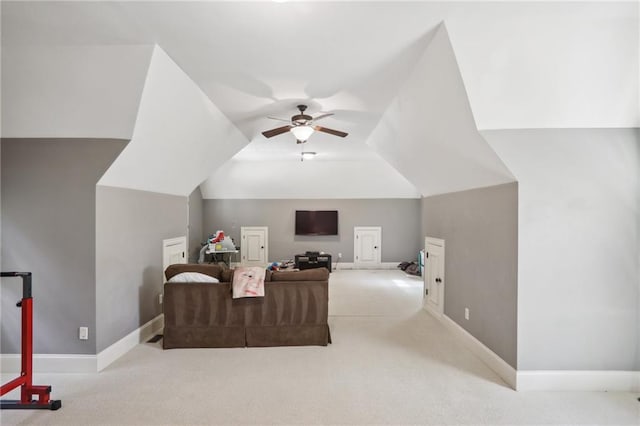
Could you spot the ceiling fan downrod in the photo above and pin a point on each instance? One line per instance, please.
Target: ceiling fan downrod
(301, 119)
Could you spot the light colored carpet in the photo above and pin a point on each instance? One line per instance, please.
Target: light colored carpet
(390, 363)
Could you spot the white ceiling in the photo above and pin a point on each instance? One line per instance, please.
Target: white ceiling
(524, 65)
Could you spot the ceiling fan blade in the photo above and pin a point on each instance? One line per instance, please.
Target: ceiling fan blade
(280, 119)
(321, 116)
(275, 132)
(330, 131)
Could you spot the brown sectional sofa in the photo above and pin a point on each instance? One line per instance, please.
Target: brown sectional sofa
(293, 312)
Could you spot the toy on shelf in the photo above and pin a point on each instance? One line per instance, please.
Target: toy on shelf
(218, 237)
(220, 242)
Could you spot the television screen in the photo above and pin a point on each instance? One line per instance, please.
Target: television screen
(316, 222)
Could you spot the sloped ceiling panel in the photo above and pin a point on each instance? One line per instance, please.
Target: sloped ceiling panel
(179, 135)
(535, 64)
(72, 91)
(550, 64)
(369, 177)
(428, 133)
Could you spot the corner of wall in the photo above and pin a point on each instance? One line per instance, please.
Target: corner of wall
(195, 226)
(130, 228)
(481, 257)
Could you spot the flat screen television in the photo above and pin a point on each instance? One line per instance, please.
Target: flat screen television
(316, 222)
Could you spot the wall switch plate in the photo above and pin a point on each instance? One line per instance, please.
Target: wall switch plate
(466, 313)
(83, 333)
(339, 255)
(160, 298)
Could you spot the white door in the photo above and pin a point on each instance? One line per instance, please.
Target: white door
(367, 251)
(174, 250)
(253, 248)
(434, 275)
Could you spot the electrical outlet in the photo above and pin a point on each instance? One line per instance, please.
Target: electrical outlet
(83, 333)
(466, 313)
(160, 298)
(339, 255)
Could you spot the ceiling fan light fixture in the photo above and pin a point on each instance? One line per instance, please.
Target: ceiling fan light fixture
(302, 133)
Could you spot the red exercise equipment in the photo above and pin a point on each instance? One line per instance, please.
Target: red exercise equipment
(27, 390)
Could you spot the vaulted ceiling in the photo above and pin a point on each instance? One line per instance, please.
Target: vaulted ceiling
(411, 82)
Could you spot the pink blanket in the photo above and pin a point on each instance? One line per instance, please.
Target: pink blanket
(248, 281)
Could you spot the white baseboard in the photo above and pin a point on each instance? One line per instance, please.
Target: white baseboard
(493, 361)
(72, 363)
(432, 310)
(545, 380)
(50, 363)
(342, 266)
(128, 342)
(351, 265)
(564, 380)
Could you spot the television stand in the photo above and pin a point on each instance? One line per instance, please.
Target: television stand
(310, 261)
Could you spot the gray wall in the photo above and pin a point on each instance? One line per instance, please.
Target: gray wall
(48, 228)
(578, 278)
(399, 219)
(195, 236)
(130, 227)
(480, 229)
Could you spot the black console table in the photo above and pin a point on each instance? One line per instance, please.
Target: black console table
(309, 261)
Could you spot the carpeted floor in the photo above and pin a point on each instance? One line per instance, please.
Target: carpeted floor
(390, 363)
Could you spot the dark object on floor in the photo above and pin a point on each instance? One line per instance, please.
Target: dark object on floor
(410, 268)
(155, 338)
(27, 389)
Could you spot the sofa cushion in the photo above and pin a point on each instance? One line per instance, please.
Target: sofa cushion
(207, 269)
(227, 275)
(316, 274)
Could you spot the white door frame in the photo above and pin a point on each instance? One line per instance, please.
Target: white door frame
(356, 247)
(429, 280)
(243, 243)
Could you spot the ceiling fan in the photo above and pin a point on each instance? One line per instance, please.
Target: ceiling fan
(302, 126)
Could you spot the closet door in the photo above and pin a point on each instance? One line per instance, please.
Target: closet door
(367, 251)
(254, 249)
(433, 275)
(174, 250)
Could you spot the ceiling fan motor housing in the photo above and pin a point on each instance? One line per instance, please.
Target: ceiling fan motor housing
(301, 119)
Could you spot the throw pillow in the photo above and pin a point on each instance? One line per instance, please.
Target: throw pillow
(193, 277)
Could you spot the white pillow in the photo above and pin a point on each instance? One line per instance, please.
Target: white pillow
(192, 277)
